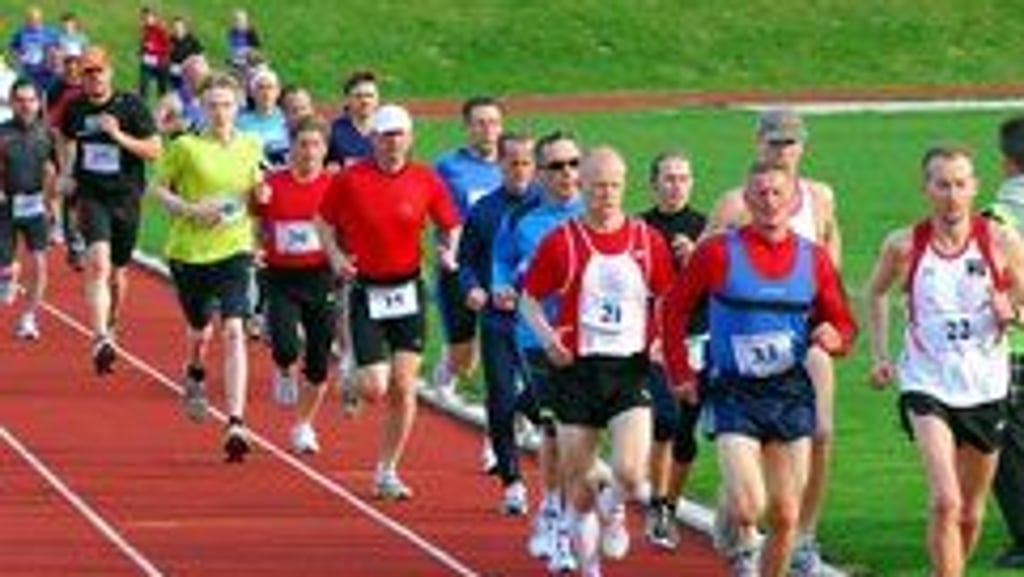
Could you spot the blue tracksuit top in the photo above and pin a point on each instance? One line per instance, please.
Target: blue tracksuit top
(478, 235)
(468, 176)
(514, 246)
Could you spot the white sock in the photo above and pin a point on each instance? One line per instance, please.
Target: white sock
(551, 502)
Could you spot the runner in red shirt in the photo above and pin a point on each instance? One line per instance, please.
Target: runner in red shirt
(298, 281)
(373, 218)
(606, 270)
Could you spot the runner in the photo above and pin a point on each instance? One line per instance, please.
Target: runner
(522, 231)
(373, 215)
(470, 172)
(109, 136)
(28, 163)
(766, 286)
(501, 363)
(607, 271)
(350, 132)
(205, 182)
(964, 279)
(675, 420)
(298, 283)
(782, 138)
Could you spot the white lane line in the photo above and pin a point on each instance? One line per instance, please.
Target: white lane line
(439, 554)
(80, 505)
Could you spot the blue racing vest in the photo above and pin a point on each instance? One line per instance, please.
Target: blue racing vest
(760, 326)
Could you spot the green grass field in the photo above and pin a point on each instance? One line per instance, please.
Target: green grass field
(874, 521)
(453, 48)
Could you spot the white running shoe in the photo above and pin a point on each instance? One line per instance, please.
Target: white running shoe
(563, 559)
(27, 328)
(514, 502)
(541, 541)
(488, 460)
(304, 441)
(614, 534)
(806, 560)
(286, 389)
(443, 382)
(388, 487)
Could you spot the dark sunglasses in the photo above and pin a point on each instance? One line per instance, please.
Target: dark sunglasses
(563, 164)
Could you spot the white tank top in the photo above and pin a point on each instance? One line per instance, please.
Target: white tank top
(954, 349)
(803, 222)
(613, 299)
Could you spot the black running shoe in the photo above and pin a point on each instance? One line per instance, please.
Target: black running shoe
(236, 443)
(103, 356)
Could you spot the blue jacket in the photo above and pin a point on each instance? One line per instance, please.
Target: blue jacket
(468, 177)
(478, 235)
(517, 241)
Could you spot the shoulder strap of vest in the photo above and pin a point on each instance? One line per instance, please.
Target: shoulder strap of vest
(982, 232)
(920, 237)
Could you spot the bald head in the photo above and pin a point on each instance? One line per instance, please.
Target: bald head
(603, 178)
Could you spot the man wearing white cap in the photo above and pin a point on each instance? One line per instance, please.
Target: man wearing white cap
(373, 217)
(781, 138)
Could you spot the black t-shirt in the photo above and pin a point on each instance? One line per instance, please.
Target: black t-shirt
(24, 152)
(689, 223)
(104, 169)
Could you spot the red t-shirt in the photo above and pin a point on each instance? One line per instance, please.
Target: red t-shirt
(287, 232)
(706, 273)
(558, 266)
(380, 217)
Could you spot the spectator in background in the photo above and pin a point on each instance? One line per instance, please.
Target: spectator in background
(194, 72)
(7, 78)
(29, 42)
(350, 132)
(243, 42)
(154, 48)
(183, 45)
(1008, 487)
(71, 38)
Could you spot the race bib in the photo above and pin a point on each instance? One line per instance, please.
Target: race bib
(296, 237)
(231, 209)
(603, 314)
(763, 355)
(101, 158)
(26, 206)
(392, 302)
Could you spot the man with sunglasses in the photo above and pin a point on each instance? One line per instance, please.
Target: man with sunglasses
(781, 139)
(110, 135)
(558, 156)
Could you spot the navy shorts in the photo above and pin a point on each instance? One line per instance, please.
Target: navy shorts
(778, 409)
(221, 286)
(458, 321)
(374, 339)
(980, 426)
(675, 420)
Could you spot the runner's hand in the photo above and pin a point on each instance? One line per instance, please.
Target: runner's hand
(882, 373)
(109, 124)
(557, 353)
(1003, 308)
(476, 298)
(208, 212)
(505, 299)
(827, 337)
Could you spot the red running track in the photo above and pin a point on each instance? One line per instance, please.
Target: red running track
(106, 476)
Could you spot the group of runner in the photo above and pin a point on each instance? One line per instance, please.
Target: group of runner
(589, 319)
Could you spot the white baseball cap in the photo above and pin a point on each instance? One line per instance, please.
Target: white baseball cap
(391, 118)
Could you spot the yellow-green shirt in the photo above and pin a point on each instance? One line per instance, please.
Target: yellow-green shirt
(198, 167)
